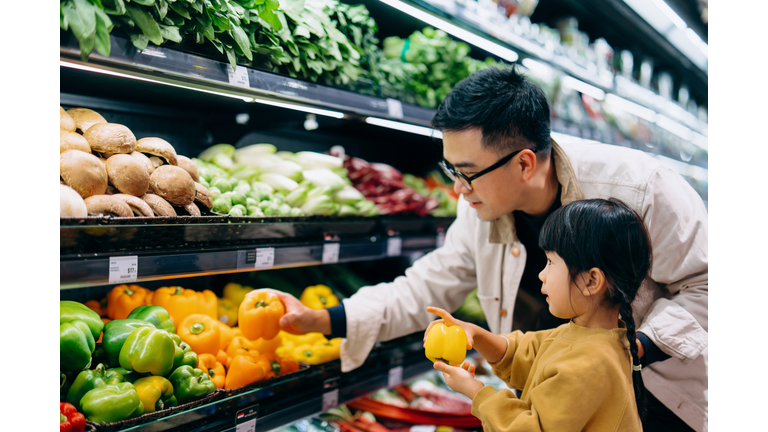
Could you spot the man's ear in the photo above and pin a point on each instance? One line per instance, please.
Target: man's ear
(594, 282)
(527, 163)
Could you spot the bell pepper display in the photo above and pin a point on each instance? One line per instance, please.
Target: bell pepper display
(155, 393)
(181, 303)
(156, 315)
(148, 349)
(88, 380)
(260, 314)
(265, 346)
(226, 335)
(69, 419)
(215, 369)
(116, 332)
(235, 293)
(112, 403)
(128, 376)
(227, 312)
(243, 370)
(122, 299)
(318, 297)
(202, 333)
(184, 356)
(446, 344)
(79, 328)
(190, 384)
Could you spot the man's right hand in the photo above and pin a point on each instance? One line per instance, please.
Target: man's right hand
(299, 319)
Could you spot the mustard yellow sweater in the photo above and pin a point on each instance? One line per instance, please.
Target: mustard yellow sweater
(573, 379)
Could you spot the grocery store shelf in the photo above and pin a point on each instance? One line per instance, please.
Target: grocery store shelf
(164, 65)
(169, 248)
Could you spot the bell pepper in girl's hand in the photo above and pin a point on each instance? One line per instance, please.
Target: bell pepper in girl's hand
(446, 344)
(260, 314)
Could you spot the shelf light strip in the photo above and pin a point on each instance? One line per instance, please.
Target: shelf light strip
(478, 41)
(405, 127)
(328, 113)
(581, 86)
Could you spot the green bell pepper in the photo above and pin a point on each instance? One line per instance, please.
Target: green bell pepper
(156, 315)
(65, 382)
(88, 380)
(129, 376)
(112, 403)
(185, 356)
(116, 332)
(190, 384)
(148, 349)
(79, 328)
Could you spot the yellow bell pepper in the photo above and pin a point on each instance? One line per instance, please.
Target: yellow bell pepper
(228, 312)
(201, 333)
(241, 345)
(308, 354)
(244, 370)
(260, 314)
(209, 304)
(308, 338)
(318, 297)
(215, 369)
(123, 299)
(155, 393)
(226, 335)
(285, 348)
(267, 346)
(446, 344)
(328, 349)
(179, 302)
(235, 293)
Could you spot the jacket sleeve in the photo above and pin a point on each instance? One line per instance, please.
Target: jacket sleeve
(443, 278)
(678, 225)
(572, 391)
(516, 364)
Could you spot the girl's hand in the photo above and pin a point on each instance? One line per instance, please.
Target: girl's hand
(460, 378)
(449, 320)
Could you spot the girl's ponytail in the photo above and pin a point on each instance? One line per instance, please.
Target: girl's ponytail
(637, 377)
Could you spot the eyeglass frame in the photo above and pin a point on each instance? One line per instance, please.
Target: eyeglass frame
(452, 173)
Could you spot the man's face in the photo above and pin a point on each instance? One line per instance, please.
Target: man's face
(494, 194)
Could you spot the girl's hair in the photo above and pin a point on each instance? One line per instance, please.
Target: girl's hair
(608, 235)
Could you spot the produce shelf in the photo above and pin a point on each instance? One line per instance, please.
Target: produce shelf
(171, 66)
(168, 248)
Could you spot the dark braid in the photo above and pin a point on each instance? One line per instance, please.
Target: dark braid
(637, 377)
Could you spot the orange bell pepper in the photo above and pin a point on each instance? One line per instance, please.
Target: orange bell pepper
(260, 314)
(223, 358)
(209, 304)
(210, 365)
(236, 331)
(270, 363)
(104, 320)
(226, 335)
(288, 364)
(243, 370)
(201, 333)
(148, 299)
(95, 306)
(123, 299)
(179, 302)
(267, 345)
(241, 345)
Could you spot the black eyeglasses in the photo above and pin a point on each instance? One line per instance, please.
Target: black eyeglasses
(451, 172)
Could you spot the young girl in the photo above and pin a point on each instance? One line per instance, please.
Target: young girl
(584, 375)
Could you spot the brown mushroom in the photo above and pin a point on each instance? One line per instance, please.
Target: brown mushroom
(66, 122)
(72, 204)
(192, 209)
(174, 184)
(188, 166)
(99, 205)
(110, 138)
(203, 196)
(85, 118)
(127, 174)
(137, 205)
(158, 147)
(158, 205)
(83, 172)
(141, 157)
(72, 141)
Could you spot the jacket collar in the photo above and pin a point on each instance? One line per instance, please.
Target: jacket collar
(502, 230)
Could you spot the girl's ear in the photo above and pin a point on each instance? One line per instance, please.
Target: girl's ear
(594, 284)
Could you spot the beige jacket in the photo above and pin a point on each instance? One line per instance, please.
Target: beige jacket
(671, 307)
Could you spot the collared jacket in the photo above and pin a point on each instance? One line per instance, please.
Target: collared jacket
(671, 306)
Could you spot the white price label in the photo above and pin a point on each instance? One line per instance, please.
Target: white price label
(395, 108)
(440, 239)
(394, 246)
(238, 77)
(249, 426)
(331, 253)
(265, 258)
(123, 269)
(395, 376)
(330, 399)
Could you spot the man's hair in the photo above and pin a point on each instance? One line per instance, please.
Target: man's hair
(511, 112)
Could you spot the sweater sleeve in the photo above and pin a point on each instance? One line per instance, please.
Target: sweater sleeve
(516, 364)
(571, 392)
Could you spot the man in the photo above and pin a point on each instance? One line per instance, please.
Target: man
(511, 175)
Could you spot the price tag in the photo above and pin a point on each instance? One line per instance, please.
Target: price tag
(395, 376)
(394, 246)
(248, 426)
(440, 239)
(330, 399)
(395, 108)
(123, 269)
(245, 421)
(238, 77)
(331, 253)
(265, 258)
